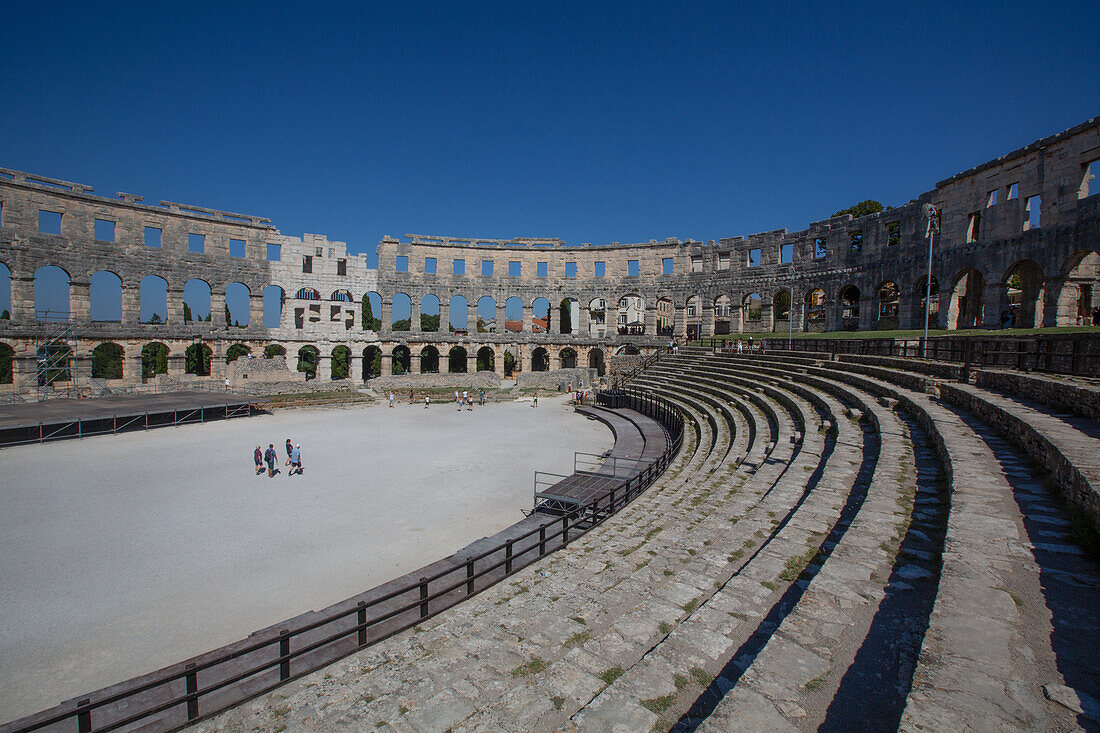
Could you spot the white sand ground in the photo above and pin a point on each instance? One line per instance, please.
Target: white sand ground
(121, 554)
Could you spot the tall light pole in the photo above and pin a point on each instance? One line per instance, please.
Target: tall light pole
(790, 312)
(932, 214)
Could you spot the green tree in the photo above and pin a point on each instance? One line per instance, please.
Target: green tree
(274, 350)
(429, 323)
(7, 355)
(196, 360)
(341, 366)
(186, 312)
(370, 323)
(307, 361)
(863, 208)
(155, 318)
(566, 317)
(107, 361)
(235, 352)
(154, 360)
(782, 304)
(509, 363)
(228, 319)
(403, 324)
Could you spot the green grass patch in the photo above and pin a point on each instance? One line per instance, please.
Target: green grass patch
(701, 676)
(610, 675)
(659, 704)
(664, 627)
(578, 639)
(795, 565)
(690, 605)
(534, 666)
(558, 702)
(815, 684)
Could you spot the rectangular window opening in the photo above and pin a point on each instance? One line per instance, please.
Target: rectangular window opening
(274, 252)
(104, 230)
(1092, 170)
(973, 227)
(1013, 191)
(632, 268)
(429, 265)
(307, 264)
(458, 267)
(541, 269)
(666, 266)
(991, 198)
(152, 236)
(341, 267)
(600, 269)
(786, 254)
(723, 260)
(515, 269)
(697, 263)
(196, 243)
(486, 268)
(1032, 208)
(893, 234)
(236, 248)
(820, 248)
(855, 239)
(570, 269)
(754, 257)
(402, 264)
(49, 222)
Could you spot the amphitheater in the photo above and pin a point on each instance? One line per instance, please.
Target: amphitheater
(839, 535)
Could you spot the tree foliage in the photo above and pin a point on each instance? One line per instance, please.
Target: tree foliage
(509, 363)
(863, 208)
(154, 360)
(107, 361)
(370, 323)
(235, 352)
(341, 362)
(429, 322)
(196, 360)
(7, 355)
(307, 361)
(566, 319)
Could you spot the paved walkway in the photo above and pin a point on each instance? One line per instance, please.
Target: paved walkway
(120, 554)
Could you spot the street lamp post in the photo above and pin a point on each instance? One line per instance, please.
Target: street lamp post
(932, 214)
(790, 312)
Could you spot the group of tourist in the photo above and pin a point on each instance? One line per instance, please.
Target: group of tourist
(271, 458)
(740, 347)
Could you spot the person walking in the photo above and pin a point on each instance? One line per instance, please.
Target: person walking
(296, 460)
(535, 400)
(391, 400)
(227, 384)
(740, 346)
(258, 456)
(481, 397)
(270, 456)
(427, 401)
(289, 446)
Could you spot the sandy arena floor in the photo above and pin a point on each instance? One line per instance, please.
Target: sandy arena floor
(120, 554)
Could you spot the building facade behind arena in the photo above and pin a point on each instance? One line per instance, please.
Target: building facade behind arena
(1019, 235)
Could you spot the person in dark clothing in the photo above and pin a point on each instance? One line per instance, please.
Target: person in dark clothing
(258, 456)
(289, 448)
(270, 456)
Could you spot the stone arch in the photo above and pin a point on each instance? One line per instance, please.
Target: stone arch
(307, 294)
(513, 314)
(153, 306)
(196, 300)
(107, 359)
(308, 358)
(849, 307)
(401, 317)
(568, 358)
(666, 317)
(487, 315)
(400, 359)
(342, 296)
(105, 296)
(372, 311)
(510, 364)
(781, 309)
(486, 359)
(920, 293)
(540, 315)
(55, 363)
(456, 360)
(814, 311)
(154, 359)
(630, 318)
(429, 313)
(7, 364)
(238, 309)
(597, 317)
(752, 308)
(340, 362)
(596, 361)
(1026, 294)
(722, 314)
(569, 315)
(274, 297)
(458, 311)
(196, 359)
(236, 351)
(273, 350)
(966, 307)
(372, 362)
(429, 360)
(888, 310)
(693, 317)
(540, 360)
(627, 350)
(1079, 294)
(51, 293)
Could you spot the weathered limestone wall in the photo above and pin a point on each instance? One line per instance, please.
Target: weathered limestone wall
(557, 378)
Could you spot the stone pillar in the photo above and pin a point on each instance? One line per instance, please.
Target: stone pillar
(679, 320)
(649, 318)
(177, 363)
(501, 317)
(706, 321)
(868, 315)
(444, 317)
(385, 308)
(80, 303)
(131, 303)
(995, 300)
(217, 309)
(22, 299)
(24, 371)
(175, 306)
(498, 360)
(387, 364)
(736, 323)
(414, 316)
(471, 362)
(324, 368)
(131, 365)
(255, 310)
(767, 317)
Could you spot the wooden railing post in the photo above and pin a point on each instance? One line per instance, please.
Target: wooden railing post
(192, 692)
(284, 655)
(565, 530)
(84, 716)
(542, 540)
(508, 558)
(470, 577)
(361, 621)
(423, 598)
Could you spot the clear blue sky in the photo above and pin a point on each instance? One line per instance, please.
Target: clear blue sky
(593, 122)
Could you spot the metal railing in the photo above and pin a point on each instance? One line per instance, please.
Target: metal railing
(623, 377)
(176, 696)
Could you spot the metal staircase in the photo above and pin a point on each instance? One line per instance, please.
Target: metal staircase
(54, 348)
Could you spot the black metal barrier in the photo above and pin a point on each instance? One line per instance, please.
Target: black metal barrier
(181, 694)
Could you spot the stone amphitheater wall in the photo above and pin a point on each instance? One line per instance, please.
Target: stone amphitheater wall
(1020, 234)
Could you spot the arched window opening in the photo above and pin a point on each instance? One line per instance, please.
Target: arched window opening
(273, 306)
(459, 313)
(105, 296)
(154, 300)
(631, 315)
(196, 360)
(540, 315)
(456, 360)
(596, 361)
(486, 359)
(308, 357)
(402, 313)
(307, 294)
(340, 361)
(849, 308)
(569, 316)
(568, 358)
(154, 360)
(237, 305)
(7, 364)
(400, 359)
(509, 364)
(540, 360)
(196, 301)
(51, 294)
(372, 362)
(107, 361)
(273, 350)
(372, 311)
(429, 360)
(486, 315)
(236, 351)
(429, 313)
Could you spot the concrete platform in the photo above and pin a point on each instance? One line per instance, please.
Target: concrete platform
(119, 555)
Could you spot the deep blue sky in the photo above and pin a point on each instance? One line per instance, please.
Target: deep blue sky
(589, 122)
